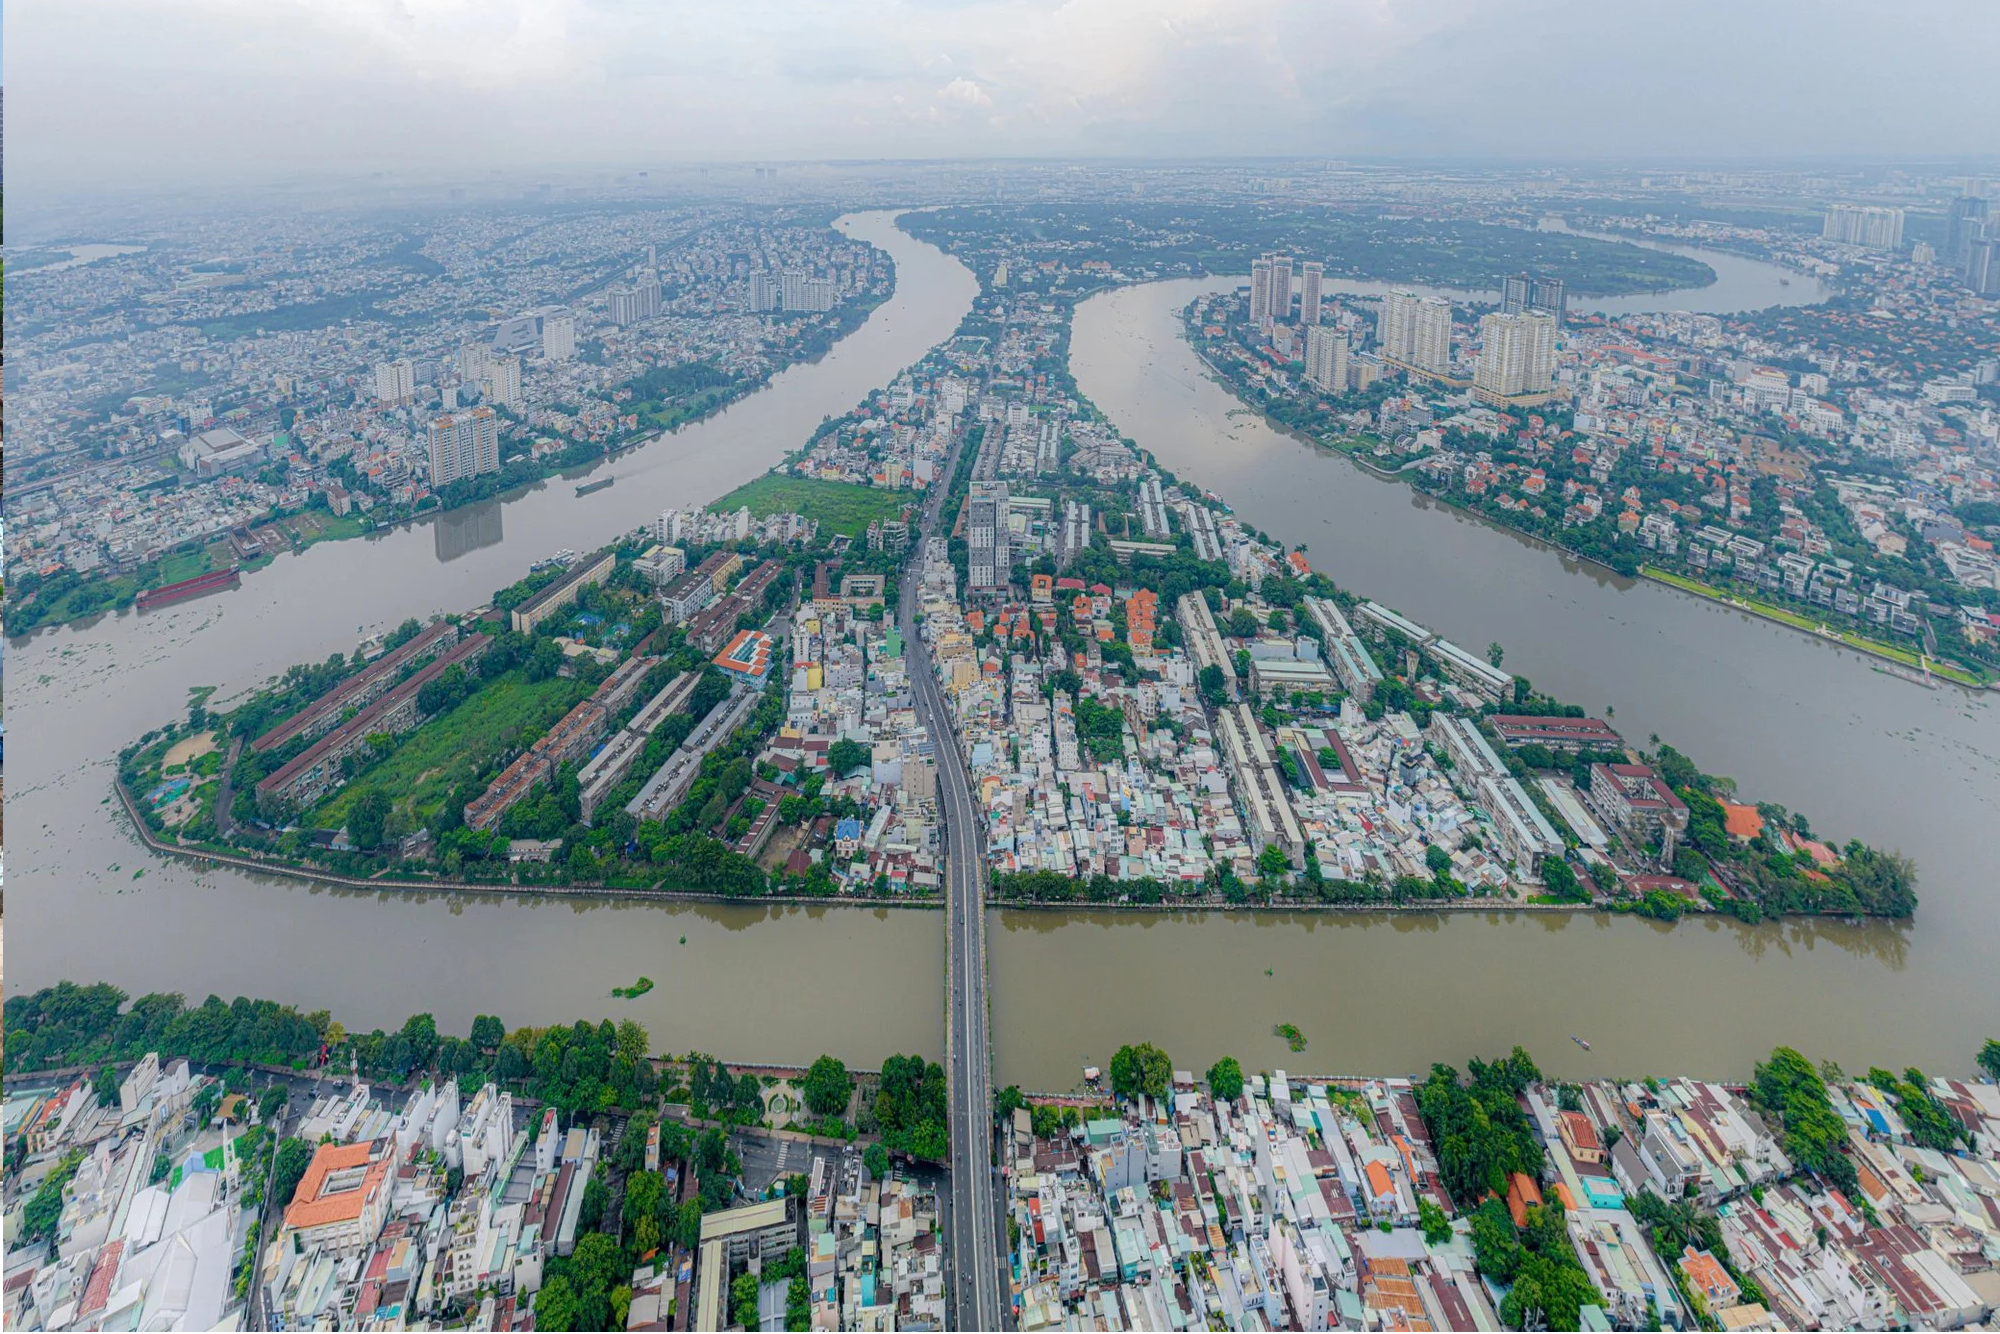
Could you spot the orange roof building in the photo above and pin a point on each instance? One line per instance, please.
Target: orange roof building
(343, 1199)
(1706, 1275)
(1522, 1195)
(1742, 821)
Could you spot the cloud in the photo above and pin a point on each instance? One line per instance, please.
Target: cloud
(964, 92)
(133, 90)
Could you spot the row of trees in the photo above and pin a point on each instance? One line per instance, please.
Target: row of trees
(580, 1067)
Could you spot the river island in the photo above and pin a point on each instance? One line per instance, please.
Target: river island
(1156, 704)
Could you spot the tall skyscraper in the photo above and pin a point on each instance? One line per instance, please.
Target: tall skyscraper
(503, 381)
(1416, 331)
(1514, 291)
(1309, 280)
(763, 292)
(1982, 267)
(558, 336)
(1326, 358)
(1965, 222)
(988, 561)
(464, 444)
(1518, 353)
(1868, 226)
(395, 382)
(472, 359)
(629, 305)
(1281, 289)
(1549, 296)
(1260, 291)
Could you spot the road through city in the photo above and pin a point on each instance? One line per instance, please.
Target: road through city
(975, 1250)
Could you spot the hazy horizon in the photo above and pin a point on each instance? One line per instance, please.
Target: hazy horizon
(120, 94)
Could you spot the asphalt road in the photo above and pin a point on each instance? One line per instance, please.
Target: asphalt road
(976, 1254)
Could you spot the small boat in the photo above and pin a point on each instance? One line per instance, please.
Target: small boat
(1579, 1042)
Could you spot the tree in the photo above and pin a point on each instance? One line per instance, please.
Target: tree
(1494, 653)
(844, 756)
(1560, 880)
(366, 817)
(1436, 1226)
(1989, 1059)
(555, 1305)
(294, 1156)
(645, 1193)
(1496, 1247)
(827, 1087)
(743, 1300)
(1225, 1079)
(596, 1198)
(1213, 684)
(487, 1032)
(1272, 861)
(106, 1086)
(271, 1102)
(1138, 1069)
(876, 1159)
(1242, 624)
(1437, 859)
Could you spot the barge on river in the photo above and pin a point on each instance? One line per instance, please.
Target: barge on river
(168, 594)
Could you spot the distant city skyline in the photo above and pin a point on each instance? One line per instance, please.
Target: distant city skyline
(231, 92)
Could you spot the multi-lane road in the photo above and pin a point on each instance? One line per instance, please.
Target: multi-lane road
(976, 1255)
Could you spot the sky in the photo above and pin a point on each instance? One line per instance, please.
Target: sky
(105, 92)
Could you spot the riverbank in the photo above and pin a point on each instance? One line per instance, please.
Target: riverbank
(1817, 630)
(250, 547)
(204, 855)
(1874, 648)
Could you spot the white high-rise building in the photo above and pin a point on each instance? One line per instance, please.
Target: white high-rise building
(989, 563)
(559, 336)
(472, 359)
(641, 301)
(1416, 331)
(1310, 277)
(1326, 358)
(1518, 355)
(503, 381)
(464, 444)
(763, 292)
(1260, 291)
(1868, 226)
(395, 382)
(1281, 289)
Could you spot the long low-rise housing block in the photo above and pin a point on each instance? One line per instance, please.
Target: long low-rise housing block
(359, 690)
(569, 741)
(593, 569)
(318, 769)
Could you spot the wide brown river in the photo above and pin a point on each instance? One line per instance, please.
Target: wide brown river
(1794, 721)
(862, 984)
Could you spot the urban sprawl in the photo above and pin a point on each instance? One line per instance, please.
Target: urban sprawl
(968, 624)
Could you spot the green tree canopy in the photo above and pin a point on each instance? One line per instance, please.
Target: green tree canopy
(1225, 1079)
(827, 1087)
(1141, 1068)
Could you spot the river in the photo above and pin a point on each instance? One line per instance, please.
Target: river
(859, 983)
(1793, 719)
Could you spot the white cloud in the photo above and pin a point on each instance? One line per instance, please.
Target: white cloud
(965, 93)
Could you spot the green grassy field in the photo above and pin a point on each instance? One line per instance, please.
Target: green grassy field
(837, 506)
(422, 771)
(1876, 647)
